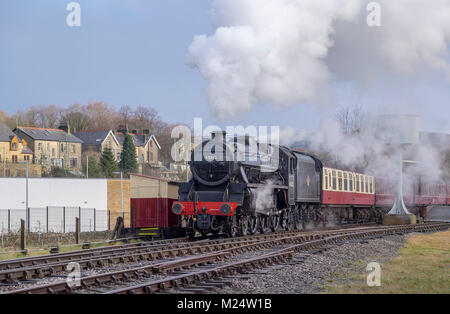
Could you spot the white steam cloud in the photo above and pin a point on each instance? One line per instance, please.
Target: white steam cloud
(284, 52)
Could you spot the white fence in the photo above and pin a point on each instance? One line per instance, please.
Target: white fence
(54, 219)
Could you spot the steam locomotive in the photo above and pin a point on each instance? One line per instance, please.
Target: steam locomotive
(241, 187)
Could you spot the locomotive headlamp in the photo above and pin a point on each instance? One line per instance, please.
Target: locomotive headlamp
(177, 208)
(225, 209)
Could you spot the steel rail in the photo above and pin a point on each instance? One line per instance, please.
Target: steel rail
(155, 253)
(182, 281)
(301, 241)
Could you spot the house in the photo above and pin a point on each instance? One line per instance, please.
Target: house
(97, 141)
(53, 147)
(147, 147)
(14, 153)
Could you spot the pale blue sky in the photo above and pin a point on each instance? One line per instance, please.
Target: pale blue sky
(133, 52)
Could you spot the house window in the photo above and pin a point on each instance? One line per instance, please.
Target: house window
(74, 149)
(53, 152)
(14, 159)
(40, 147)
(73, 162)
(14, 146)
(26, 157)
(48, 147)
(62, 148)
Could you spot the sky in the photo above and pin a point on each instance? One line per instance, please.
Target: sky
(134, 52)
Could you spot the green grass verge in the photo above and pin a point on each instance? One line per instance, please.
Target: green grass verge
(423, 266)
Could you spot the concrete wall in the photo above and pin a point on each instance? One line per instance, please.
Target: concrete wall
(53, 192)
(60, 195)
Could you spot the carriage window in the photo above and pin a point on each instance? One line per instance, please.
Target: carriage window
(345, 182)
(340, 180)
(371, 185)
(361, 184)
(351, 182)
(366, 180)
(356, 183)
(326, 182)
(334, 180)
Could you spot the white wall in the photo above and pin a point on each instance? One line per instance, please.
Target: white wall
(61, 196)
(53, 192)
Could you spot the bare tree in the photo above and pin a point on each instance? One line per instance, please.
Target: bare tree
(102, 116)
(351, 119)
(125, 115)
(77, 118)
(145, 118)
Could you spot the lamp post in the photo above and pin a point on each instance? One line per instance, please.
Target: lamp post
(27, 209)
(121, 191)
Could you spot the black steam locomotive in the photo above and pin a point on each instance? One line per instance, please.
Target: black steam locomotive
(240, 187)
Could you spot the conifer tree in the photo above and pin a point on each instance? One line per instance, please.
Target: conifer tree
(128, 157)
(108, 163)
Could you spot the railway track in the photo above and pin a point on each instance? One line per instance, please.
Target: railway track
(198, 266)
(47, 266)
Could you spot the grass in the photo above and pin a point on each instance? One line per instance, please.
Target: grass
(423, 266)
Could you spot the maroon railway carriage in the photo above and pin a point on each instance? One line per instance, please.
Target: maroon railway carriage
(355, 193)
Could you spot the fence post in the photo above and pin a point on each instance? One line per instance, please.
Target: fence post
(77, 230)
(22, 235)
(9, 220)
(28, 217)
(64, 219)
(47, 218)
(95, 220)
(109, 219)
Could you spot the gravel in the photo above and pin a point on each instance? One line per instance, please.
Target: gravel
(313, 272)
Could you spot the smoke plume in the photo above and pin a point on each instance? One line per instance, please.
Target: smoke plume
(285, 52)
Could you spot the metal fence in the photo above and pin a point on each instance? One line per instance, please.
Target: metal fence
(54, 219)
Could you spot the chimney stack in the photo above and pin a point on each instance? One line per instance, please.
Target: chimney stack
(123, 128)
(65, 127)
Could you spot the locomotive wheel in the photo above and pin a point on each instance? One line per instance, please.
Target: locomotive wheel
(299, 224)
(263, 224)
(252, 225)
(244, 226)
(232, 227)
(190, 230)
(274, 223)
(289, 220)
